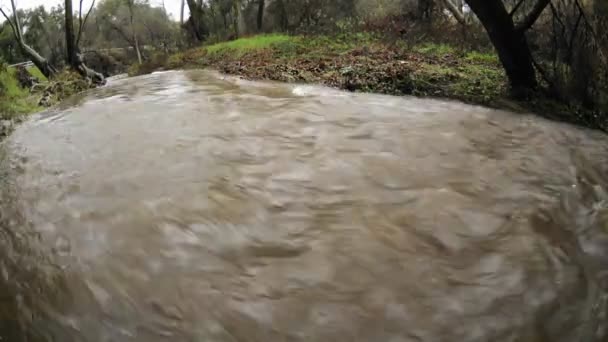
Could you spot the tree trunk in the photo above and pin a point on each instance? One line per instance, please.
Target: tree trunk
(261, 5)
(510, 43)
(196, 20)
(283, 20)
(70, 37)
(74, 58)
(41, 63)
(131, 4)
(181, 12)
(137, 50)
(456, 10)
(236, 17)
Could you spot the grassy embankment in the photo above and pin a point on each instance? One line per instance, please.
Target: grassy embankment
(361, 62)
(16, 102)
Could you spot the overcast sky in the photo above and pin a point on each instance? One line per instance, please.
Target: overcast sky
(172, 6)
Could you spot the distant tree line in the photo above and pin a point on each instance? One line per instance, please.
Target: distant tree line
(69, 34)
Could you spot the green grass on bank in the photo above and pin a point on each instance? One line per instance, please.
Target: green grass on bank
(34, 71)
(434, 49)
(239, 46)
(14, 100)
(355, 61)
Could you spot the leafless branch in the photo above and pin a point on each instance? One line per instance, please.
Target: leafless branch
(531, 17)
(83, 23)
(591, 29)
(573, 36)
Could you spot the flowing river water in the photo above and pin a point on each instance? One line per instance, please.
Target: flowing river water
(188, 206)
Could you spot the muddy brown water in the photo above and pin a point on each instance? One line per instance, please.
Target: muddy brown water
(187, 206)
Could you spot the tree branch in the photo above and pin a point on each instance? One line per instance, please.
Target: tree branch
(456, 12)
(80, 17)
(17, 23)
(512, 13)
(592, 30)
(531, 18)
(83, 23)
(8, 20)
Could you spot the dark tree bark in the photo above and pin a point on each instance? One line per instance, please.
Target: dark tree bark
(509, 41)
(197, 24)
(261, 5)
(70, 38)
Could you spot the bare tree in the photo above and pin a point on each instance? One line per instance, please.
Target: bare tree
(42, 63)
(509, 38)
(74, 58)
(83, 22)
(72, 49)
(131, 5)
(196, 20)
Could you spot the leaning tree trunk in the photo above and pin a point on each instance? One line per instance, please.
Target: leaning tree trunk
(261, 5)
(510, 43)
(40, 62)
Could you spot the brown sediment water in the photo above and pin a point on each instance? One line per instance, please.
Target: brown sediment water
(187, 206)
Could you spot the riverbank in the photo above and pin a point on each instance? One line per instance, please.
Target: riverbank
(16, 102)
(364, 63)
